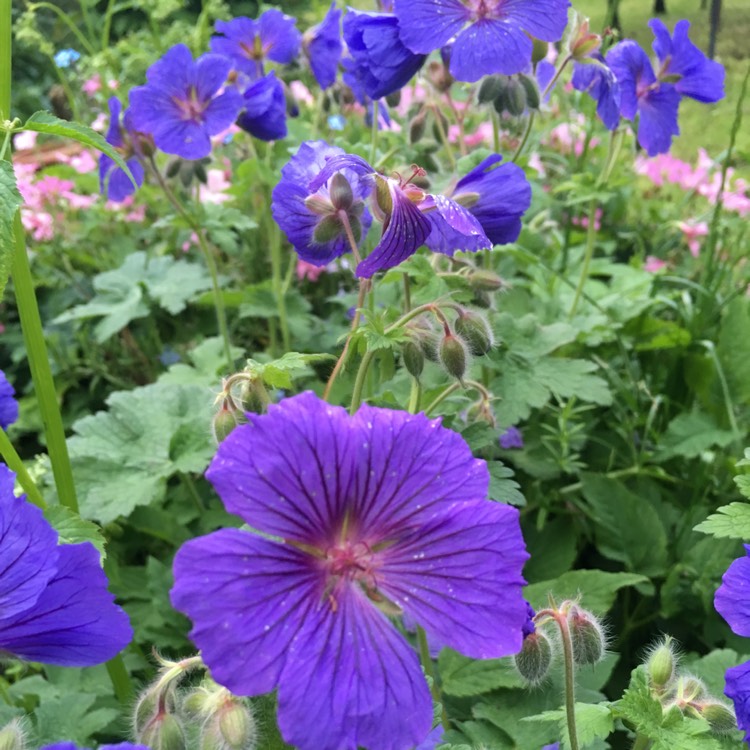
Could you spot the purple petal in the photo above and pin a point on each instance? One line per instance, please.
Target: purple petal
(405, 231)
(114, 183)
(8, 403)
(279, 35)
(150, 108)
(238, 44)
(324, 48)
(454, 228)
(738, 690)
(600, 83)
(173, 72)
(209, 72)
(658, 119)
(338, 163)
(490, 46)
(732, 599)
(248, 598)
(288, 472)
(426, 25)
(543, 19)
(183, 138)
(367, 682)
(410, 467)
(114, 131)
(265, 109)
(460, 578)
(75, 622)
(434, 738)
(222, 111)
(632, 69)
(28, 550)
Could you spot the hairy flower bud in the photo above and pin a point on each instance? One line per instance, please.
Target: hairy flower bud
(254, 396)
(475, 331)
(12, 736)
(417, 126)
(515, 98)
(225, 420)
(720, 717)
(453, 356)
(531, 90)
(490, 88)
(485, 281)
(413, 358)
(164, 732)
(661, 664)
(586, 636)
(535, 657)
(689, 689)
(342, 196)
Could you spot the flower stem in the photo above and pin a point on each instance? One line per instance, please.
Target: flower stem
(374, 131)
(525, 138)
(15, 464)
(570, 683)
(278, 285)
(641, 742)
(415, 396)
(359, 383)
(452, 388)
(444, 137)
(588, 254)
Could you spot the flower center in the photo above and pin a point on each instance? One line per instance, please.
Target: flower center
(192, 107)
(351, 562)
(483, 8)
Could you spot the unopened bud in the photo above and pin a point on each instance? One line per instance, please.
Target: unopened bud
(661, 664)
(490, 88)
(12, 736)
(341, 193)
(237, 726)
(164, 732)
(582, 42)
(515, 98)
(531, 90)
(539, 51)
(254, 396)
(195, 703)
(535, 657)
(225, 420)
(689, 689)
(475, 331)
(485, 281)
(453, 356)
(413, 358)
(720, 717)
(417, 126)
(586, 636)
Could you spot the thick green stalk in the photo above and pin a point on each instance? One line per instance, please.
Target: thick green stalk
(15, 464)
(359, 383)
(570, 683)
(278, 284)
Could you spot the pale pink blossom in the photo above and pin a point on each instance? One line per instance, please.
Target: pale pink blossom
(214, 189)
(24, 141)
(38, 223)
(692, 231)
(100, 122)
(92, 85)
(654, 264)
(535, 163)
(308, 271)
(301, 93)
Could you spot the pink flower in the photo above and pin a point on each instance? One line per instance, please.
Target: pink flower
(654, 264)
(308, 271)
(83, 163)
(583, 221)
(25, 140)
(92, 85)
(38, 223)
(213, 190)
(692, 232)
(535, 163)
(136, 216)
(100, 122)
(301, 93)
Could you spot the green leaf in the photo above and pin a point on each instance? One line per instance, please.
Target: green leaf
(503, 487)
(597, 587)
(689, 435)
(593, 722)
(10, 202)
(733, 348)
(279, 372)
(73, 529)
(123, 457)
(729, 522)
(204, 366)
(568, 378)
(712, 667)
(628, 528)
(462, 676)
(71, 716)
(44, 122)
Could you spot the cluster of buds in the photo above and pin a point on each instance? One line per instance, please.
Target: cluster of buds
(567, 627)
(209, 717)
(684, 692)
(240, 394)
(451, 345)
(513, 94)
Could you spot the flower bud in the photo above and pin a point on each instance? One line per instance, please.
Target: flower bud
(485, 281)
(661, 664)
(720, 717)
(515, 98)
(12, 736)
(490, 88)
(535, 657)
(453, 356)
(417, 126)
(341, 193)
(539, 51)
(586, 636)
(164, 732)
(531, 90)
(582, 42)
(254, 396)
(475, 331)
(413, 358)
(237, 726)
(689, 689)
(225, 420)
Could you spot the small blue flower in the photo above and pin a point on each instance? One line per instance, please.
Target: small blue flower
(8, 404)
(600, 83)
(511, 438)
(336, 122)
(66, 57)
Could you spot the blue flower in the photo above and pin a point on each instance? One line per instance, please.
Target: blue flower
(511, 438)
(274, 36)
(53, 597)
(656, 102)
(265, 109)
(383, 64)
(323, 47)
(66, 57)
(600, 83)
(113, 182)
(8, 404)
(693, 74)
(492, 36)
(181, 106)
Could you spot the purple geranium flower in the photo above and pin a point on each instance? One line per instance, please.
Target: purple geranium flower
(497, 195)
(656, 102)
(529, 628)
(411, 217)
(352, 77)
(265, 109)
(492, 36)
(113, 181)
(511, 438)
(181, 106)
(692, 73)
(8, 403)
(313, 220)
(383, 63)
(274, 36)
(323, 47)
(362, 518)
(600, 83)
(53, 598)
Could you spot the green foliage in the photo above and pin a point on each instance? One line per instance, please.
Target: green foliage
(279, 372)
(593, 722)
(10, 201)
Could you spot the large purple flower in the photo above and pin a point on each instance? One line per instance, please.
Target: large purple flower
(54, 603)
(600, 83)
(492, 36)
(362, 518)
(274, 36)
(732, 602)
(383, 63)
(411, 217)
(113, 181)
(693, 74)
(265, 109)
(314, 221)
(497, 195)
(8, 403)
(323, 47)
(656, 102)
(181, 106)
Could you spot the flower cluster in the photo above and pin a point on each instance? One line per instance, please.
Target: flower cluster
(363, 518)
